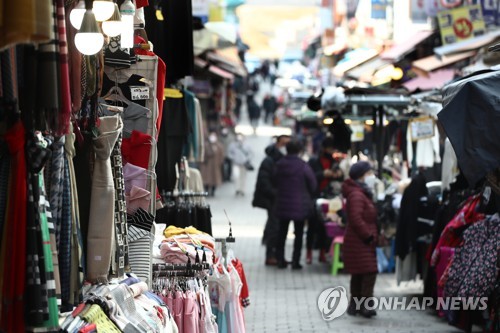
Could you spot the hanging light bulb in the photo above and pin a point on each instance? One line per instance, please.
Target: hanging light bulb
(76, 15)
(103, 9)
(113, 26)
(89, 39)
(127, 9)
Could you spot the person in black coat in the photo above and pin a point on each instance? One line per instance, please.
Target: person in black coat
(265, 193)
(326, 171)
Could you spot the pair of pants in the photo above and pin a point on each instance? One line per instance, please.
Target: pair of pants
(271, 234)
(316, 233)
(362, 285)
(297, 243)
(242, 178)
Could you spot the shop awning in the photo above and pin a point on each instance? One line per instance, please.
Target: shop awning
(468, 45)
(435, 80)
(202, 64)
(236, 68)
(353, 59)
(365, 72)
(398, 51)
(434, 62)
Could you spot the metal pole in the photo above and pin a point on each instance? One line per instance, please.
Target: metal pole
(380, 140)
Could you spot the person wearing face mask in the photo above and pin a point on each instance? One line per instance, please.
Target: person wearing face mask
(329, 177)
(265, 194)
(359, 248)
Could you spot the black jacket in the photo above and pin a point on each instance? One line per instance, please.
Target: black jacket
(265, 192)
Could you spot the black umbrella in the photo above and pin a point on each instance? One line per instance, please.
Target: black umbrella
(471, 119)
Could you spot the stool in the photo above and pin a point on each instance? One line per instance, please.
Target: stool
(336, 262)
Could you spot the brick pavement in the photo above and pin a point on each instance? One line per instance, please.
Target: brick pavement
(286, 300)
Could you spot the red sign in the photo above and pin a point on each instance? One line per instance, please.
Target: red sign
(463, 28)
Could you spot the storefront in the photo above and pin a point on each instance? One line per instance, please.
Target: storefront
(103, 219)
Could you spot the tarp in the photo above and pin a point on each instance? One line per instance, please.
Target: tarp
(470, 118)
(434, 80)
(398, 51)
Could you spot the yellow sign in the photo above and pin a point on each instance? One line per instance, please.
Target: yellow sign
(461, 23)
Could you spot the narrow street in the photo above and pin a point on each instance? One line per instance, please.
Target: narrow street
(286, 300)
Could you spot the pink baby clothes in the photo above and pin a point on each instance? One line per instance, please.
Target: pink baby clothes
(134, 175)
(191, 313)
(179, 311)
(138, 198)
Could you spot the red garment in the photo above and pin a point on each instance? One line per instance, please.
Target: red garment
(65, 112)
(160, 84)
(137, 149)
(359, 257)
(14, 266)
(141, 3)
(452, 233)
(326, 163)
(245, 294)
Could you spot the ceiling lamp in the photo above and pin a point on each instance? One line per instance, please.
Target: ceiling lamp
(103, 9)
(76, 15)
(127, 9)
(113, 26)
(89, 40)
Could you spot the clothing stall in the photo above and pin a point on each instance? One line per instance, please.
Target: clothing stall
(95, 143)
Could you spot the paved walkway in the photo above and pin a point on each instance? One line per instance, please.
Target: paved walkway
(286, 300)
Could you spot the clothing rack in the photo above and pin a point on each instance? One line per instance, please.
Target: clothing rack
(163, 268)
(186, 194)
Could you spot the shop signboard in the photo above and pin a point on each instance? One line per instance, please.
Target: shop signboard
(201, 9)
(461, 23)
(418, 12)
(490, 12)
(379, 8)
(358, 132)
(421, 128)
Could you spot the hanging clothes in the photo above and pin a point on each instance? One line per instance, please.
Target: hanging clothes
(4, 183)
(77, 255)
(101, 222)
(14, 237)
(134, 116)
(120, 259)
(174, 32)
(42, 256)
(140, 238)
(64, 80)
(173, 135)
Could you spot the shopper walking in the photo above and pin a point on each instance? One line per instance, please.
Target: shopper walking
(265, 195)
(241, 155)
(253, 112)
(211, 168)
(359, 256)
(295, 184)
